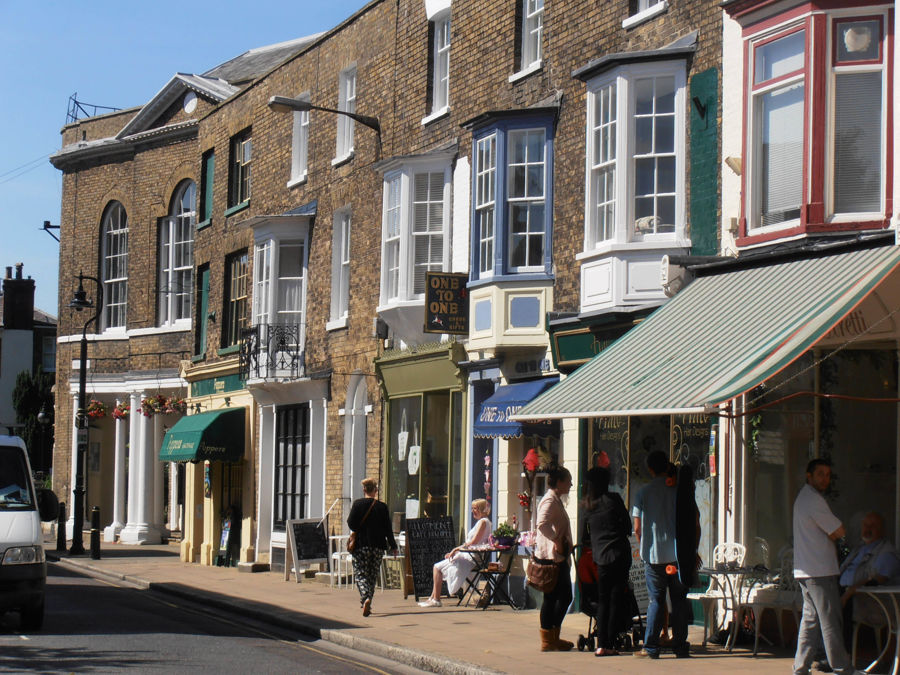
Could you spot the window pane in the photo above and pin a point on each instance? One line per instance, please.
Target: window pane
(643, 135)
(780, 57)
(858, 40)
(857, 142)
(665, 178)
(665, 94)
(665, 134)
(780, 149)
(643, 96)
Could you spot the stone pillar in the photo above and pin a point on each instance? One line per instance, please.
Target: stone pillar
(118, 516)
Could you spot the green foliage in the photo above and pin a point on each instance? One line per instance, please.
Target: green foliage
(505, 529)
(31, 394)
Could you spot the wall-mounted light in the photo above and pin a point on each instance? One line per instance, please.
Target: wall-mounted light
(227, 401)
(197, 408)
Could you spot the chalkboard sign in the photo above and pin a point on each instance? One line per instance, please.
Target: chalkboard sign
(428, 540)
(307, 544)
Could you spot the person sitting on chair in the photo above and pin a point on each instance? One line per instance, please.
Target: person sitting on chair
(872, 562)
(456, 566)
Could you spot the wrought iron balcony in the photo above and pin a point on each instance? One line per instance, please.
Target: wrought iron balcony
(270, 351)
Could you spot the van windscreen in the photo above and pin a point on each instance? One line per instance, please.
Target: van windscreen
(15, 487)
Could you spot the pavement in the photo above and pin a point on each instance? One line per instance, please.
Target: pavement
(448, 639)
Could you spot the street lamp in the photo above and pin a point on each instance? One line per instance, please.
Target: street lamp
(286, 104)
(45, 418)
(78, 303)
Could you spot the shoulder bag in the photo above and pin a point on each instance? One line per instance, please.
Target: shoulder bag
(351, 541)
(542, 574)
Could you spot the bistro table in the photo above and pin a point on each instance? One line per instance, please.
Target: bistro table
(493, 574)
(735, 584)
(888, 598)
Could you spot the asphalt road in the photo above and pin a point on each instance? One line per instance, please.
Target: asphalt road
(94, 626)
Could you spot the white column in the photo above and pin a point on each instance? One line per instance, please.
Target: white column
(70, 523)
(156, 470)
(174, 520)
(118, 521)
(139, 529)
(266, 463)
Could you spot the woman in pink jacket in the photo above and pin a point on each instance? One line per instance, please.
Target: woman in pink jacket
(554, 542)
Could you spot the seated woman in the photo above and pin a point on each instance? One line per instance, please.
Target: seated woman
(456, 566)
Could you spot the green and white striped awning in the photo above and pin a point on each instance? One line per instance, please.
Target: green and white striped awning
(718, 338)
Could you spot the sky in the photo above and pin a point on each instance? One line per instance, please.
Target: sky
(112, 53)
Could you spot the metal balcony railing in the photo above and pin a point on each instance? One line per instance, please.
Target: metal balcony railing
(271, 351)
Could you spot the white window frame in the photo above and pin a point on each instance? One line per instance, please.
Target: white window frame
(440, 52)
(486, 203)
(176, 281)
(624, 229)
(399, 234)
(645, 10)
(300, 144)
(340, 269)
(527, 200)
(532, 34)
(345, 125)
(114, 253)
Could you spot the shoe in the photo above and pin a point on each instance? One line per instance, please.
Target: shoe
(684, 651)
(822, 666)
(367, 607)
(548, 644)
(644, 654)
(605, 651)
(430, 602)
(561, 645)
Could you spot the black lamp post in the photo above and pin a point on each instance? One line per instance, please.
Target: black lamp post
(80, 302)
(45, 419)
(286, 104)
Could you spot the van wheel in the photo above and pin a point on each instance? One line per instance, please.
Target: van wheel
(33, 616)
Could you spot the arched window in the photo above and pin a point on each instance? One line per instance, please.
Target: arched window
(114, 254)
(176, 255)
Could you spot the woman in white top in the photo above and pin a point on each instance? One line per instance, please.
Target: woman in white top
(456, 566)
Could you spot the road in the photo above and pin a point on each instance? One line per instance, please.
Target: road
(94, 626)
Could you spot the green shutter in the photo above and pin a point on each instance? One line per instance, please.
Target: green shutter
(704, 162)
(202, 309)
(209, 165)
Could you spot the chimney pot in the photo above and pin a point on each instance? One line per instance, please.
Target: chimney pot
(8, 272)
(19, 267)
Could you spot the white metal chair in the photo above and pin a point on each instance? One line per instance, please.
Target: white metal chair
(780, 596)
(726, 553)
(341, 560)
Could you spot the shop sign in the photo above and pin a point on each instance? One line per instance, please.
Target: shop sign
(574, 347)
(446, 303)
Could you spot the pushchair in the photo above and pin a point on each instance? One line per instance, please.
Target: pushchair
(631, 622)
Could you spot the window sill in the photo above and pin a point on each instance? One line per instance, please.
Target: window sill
(226, 351)
(336, 324)
(436, 115)
(337, 161)
(230, 211)
(525, 72)
(646, 15)
(178, 327)
(203, 224)
(299, 180)
(614, 246)
(498, 279)
(197, 358)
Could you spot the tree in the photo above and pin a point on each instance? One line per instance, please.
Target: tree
(32, 394)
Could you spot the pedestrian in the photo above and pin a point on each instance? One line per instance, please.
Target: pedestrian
(370, 521)
(554, 542)
(655, 518)
(609, 526)
(816, 529)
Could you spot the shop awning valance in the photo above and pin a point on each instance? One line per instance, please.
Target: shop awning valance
(493, 420)
(217, 435)
(718, 338)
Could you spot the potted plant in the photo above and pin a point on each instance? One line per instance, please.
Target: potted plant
(96, 409)
(153, 405)
(176, 404)
(505, 535)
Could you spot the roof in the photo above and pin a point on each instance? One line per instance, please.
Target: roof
(680, 48)
(254, 62)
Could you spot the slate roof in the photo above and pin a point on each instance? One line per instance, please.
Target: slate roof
(254, 62)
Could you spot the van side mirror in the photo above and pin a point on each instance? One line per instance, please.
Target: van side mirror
(48, 504)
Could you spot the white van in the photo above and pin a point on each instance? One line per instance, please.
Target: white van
(23, 567)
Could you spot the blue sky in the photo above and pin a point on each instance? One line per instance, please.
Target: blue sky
(115, 54)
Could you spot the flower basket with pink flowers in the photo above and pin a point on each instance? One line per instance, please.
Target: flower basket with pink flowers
(96, 409)
(176, 404)
(153, 405)
(121, 411)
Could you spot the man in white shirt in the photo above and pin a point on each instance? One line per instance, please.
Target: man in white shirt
(816, 529)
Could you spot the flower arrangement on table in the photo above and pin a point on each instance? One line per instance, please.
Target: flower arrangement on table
(506, 534)
(96, 409)
(121, 411)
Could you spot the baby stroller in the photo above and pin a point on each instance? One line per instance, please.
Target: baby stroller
(631, 632)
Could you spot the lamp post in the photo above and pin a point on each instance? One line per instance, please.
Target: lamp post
(45, 419)
(286, 104)
(78, 303)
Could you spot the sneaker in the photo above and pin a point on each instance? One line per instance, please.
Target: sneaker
(430, 602)
(644, 654)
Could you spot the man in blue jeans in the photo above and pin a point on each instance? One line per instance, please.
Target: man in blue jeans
(654, 527)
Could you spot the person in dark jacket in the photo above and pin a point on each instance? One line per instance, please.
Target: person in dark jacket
(370, 520)
(609, 527)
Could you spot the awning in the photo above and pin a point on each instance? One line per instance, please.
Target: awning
(493, 419)
(718, 338)
(217, 435)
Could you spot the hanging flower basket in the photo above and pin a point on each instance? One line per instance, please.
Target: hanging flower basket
(96, 409)
(121, 411)
(153, 405)
(176, 404)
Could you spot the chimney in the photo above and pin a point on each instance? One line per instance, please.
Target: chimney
(18, 301)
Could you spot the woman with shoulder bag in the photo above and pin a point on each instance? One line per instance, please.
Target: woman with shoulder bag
(554, 542)
(370, 526)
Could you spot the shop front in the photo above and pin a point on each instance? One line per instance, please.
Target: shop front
(423, 461)
(747, 374)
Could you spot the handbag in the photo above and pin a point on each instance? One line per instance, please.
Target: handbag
(542, 574)
(351, 540)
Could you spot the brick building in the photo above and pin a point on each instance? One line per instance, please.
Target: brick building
(549, 155)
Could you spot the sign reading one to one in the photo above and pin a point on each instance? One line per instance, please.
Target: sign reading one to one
(446, 303)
